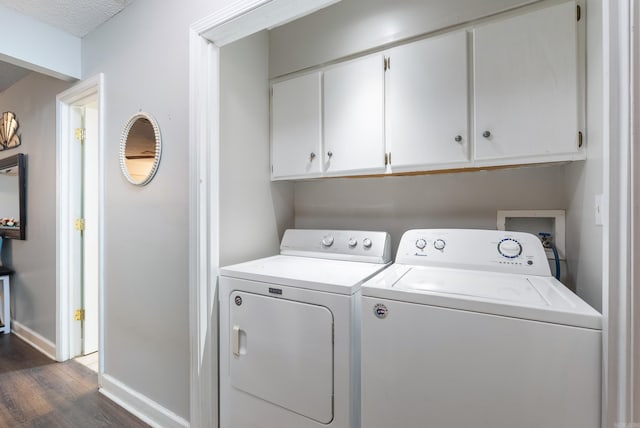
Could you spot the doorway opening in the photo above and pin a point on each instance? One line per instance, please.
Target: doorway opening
(79, 224)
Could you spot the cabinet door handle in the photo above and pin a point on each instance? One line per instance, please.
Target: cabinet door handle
(312, 156)
(329, 153)
(486, 134)
(458, 138)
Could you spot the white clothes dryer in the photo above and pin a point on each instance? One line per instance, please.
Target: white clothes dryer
(469, 329)
(289, 331)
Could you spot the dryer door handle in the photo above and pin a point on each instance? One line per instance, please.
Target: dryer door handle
(235, 340)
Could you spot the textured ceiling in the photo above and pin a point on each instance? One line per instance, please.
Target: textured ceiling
(77, 17)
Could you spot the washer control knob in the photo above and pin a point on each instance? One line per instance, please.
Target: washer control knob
(366, 243)
(509, 248)
(327, 241)
(439, 244)
(421, 243)
(353, 242)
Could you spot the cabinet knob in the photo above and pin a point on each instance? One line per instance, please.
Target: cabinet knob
(486, 134)
(458, 138)
(312, 156)
(329, 153)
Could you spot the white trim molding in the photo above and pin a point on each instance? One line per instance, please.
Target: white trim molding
(34, 339)
(239, 19)
(140, 405)
(634, 320)
(621, 245)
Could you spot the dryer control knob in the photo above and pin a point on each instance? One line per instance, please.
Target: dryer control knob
(439, 244)
(353, 242)
(509, 248)
(421, 243)
(366, 243)
(327, 241)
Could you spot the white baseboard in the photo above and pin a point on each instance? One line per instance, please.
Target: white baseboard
(34, 339)
(141, 406)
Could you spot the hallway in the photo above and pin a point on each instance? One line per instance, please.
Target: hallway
(38, 392)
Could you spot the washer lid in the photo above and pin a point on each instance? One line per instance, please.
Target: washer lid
(535, 298)
(508, 288)
(332, 276)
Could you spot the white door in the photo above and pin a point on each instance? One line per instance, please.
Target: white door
(526, 84)
(296, 130)
(354, 117)
(427, 99)
(281, 351)
(76, 212)
(90, 234)
(84, 275)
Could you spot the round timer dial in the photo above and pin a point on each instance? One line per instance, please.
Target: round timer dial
(509, 248)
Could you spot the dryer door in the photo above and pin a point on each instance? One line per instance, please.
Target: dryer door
(282, 352)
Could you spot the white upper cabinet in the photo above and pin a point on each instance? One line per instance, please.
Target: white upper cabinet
(427, 103)
(526, 85)
(354, 117)
(296, 127)
(504, 91)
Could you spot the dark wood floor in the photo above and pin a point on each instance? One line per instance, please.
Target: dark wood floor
(38, 392)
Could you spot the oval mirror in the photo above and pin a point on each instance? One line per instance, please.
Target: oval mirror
(140, 149)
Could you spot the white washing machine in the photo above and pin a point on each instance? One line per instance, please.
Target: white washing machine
(469, 329)
(289, 331)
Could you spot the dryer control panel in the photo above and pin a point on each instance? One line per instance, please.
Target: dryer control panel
(350, 245)
(489, 250)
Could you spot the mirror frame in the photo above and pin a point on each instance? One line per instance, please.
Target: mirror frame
(19, 161)
(123, 148)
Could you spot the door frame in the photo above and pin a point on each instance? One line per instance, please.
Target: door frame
(206, 36)
(65, 101)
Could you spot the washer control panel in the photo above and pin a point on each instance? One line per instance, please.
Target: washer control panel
(490, 250)
(352, 245)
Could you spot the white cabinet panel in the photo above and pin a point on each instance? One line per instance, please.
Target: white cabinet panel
(354, 117)
(281, 351)
(296, 127)
(526, 85)
(427, 99)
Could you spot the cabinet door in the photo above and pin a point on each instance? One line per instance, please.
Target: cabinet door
(354, 117)
(296, 132)
(526, 85)
(427, 101)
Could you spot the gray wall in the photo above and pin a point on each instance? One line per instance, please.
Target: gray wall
(585, 179)
(353, 26)
(468, 200)
(253, 211)
(144, 54)
(33, 287)
(396, 204)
